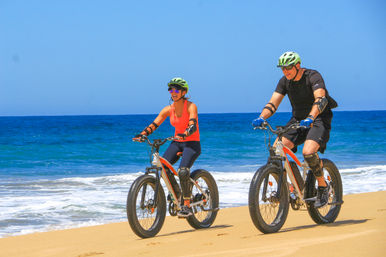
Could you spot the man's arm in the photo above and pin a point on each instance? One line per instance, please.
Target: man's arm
(319, 104)
(271, 107)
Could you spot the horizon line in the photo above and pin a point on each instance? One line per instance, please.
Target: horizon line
(133, 114)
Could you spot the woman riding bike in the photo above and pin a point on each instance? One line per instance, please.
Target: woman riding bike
(183, 116)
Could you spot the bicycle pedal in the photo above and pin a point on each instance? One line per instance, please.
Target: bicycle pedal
(312, 199)
(336, 203)
(214, 210)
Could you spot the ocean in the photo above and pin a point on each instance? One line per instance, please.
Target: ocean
(73, 171)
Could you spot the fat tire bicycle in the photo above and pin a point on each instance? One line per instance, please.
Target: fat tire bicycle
(146, 201)
(271, 194)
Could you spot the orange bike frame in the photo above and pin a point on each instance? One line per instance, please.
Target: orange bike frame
(284, 151)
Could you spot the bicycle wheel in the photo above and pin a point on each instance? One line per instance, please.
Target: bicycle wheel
(268, 213)
(205, 213)
(145, 219)
(329, 212)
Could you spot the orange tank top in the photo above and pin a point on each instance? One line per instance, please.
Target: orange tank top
(181, 123)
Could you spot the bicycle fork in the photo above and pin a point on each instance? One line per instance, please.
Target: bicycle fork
(276, 161)
(153, 204)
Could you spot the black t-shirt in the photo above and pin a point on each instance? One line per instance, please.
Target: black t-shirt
(301, 94)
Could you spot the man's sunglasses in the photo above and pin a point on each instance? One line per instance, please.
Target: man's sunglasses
(289, 67)
(174, 90)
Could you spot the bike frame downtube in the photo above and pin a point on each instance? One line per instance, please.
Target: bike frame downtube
(163, 162)
(287, 166)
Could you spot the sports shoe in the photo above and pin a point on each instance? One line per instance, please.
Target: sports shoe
(321, 197)
(185, 212)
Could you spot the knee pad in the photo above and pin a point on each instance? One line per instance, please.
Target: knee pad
(183, 173)
(314, 164)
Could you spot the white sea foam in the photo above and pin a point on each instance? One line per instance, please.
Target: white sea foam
(43, 205)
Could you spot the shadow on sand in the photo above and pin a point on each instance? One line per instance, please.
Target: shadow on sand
(193, 230)
(335, 224)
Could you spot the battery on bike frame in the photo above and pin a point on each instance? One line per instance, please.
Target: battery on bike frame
(297, 175)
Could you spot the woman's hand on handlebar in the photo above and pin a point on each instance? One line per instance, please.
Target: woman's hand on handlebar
(180, 136)
(139, 138)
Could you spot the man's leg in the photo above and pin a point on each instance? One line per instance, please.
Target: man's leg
(288, 143)
(310, 153)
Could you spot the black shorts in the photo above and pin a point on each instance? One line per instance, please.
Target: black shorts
(190, 151)
(319, 132)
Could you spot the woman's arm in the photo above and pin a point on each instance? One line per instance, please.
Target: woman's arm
(192, 125)
(165, 112)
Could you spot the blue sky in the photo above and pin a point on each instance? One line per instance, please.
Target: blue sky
(116, 57)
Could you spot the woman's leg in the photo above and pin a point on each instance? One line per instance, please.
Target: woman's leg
(190, 153)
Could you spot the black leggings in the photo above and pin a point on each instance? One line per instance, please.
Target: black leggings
(190, 151)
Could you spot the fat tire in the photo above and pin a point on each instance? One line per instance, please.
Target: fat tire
(131, 207)
(310, 191)
(254, 200)
(214, 200)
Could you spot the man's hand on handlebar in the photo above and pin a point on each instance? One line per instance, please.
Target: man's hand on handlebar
(306, 123)
(258, 122)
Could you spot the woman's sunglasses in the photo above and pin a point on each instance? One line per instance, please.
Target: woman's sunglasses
(174, 90)
(287, 67)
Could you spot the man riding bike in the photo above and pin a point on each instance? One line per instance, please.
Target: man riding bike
(183, 116)
(311, 105)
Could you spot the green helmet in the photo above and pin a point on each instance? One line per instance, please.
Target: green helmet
(288, 58)
(179, 83)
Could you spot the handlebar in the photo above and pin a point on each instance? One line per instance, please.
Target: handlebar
(156, 142)
(280, 129)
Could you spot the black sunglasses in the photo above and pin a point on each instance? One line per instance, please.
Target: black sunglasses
(289, 67)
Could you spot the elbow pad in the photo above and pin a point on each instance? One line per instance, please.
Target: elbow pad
(321, 102)
(191, 128)
(272, 110)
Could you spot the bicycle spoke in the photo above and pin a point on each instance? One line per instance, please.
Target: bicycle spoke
(204, 199)
(198, 195)
(145, 210)
(268, 205)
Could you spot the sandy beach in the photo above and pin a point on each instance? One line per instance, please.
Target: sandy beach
(360, 230)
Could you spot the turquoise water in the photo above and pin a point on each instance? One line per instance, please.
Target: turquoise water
(68, 171)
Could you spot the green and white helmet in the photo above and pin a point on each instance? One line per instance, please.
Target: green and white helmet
(288, 58)
(178, 82)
